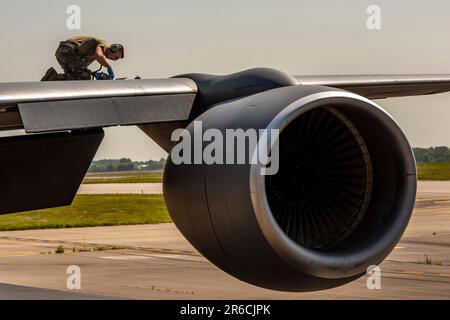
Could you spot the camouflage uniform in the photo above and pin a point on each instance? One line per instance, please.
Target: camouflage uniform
(76, 54)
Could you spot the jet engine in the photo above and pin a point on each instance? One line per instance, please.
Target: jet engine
(339, 203)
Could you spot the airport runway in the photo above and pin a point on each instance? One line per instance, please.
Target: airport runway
(156, 262)
(121, 188)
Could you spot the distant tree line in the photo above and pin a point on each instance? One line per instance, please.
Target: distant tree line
(125, 164)
(433, 154)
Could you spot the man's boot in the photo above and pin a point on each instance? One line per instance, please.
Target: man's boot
(50, 75)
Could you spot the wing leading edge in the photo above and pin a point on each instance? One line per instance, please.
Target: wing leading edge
(12, 93)
(383, 86)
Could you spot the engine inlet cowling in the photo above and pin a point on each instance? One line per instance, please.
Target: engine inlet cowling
(339, 203)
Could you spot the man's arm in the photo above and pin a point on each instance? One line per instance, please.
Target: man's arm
(100, 57)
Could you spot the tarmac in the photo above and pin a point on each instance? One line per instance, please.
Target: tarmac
(121, 188)
(156, 262)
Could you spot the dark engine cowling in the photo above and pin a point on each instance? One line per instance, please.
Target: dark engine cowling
(339, 203)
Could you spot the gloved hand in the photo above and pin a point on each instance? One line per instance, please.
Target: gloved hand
(98, 75)
(111, 73)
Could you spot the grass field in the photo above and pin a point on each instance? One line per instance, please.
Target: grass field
(124, 177)
(434, 171)
(90, 211)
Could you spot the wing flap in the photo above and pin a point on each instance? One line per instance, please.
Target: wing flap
(44, 170)
(51, 116)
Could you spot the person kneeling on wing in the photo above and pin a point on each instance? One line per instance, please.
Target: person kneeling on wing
(76, 54)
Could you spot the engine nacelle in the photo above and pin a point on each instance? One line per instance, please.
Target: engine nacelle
(339, 203)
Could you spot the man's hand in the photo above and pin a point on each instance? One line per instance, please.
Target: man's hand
(111, 73)
(98, 76)
(101, 76)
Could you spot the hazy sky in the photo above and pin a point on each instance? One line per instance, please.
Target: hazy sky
(165, 38)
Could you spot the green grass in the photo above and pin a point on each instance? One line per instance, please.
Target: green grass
(123, 177)
(426, 171)
(434, 171)
(90, 211)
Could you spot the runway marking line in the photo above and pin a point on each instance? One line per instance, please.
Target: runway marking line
(432, 199)
(420, 274)
(125, 257)
(94, 245)
(19, 254)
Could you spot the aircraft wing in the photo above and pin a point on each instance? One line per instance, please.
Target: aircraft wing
(69, 105)
(383, 86)
(57, 106)
(44, 170)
